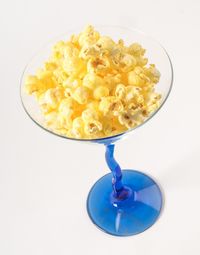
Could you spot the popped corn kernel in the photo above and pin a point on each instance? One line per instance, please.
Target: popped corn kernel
(132, 92)
(92, 127)
(51, 118)
(111, 126)
(135, 79)
(73, 66)
(81, 95)
(89, 51)
(92, 86)
(93, 105)
(133, 108)
(90, 114)
(152, 73)
(74, 40)
(127, 120)
(112, 80)
(66, 107)
(92, 81)
(58, 51)
(120, 91)
(99, 65)
(100, 92)
(88, 36)
(59, 75)
(50, 66)
(68, 92)
(33, 84)
(105, 43)
(136, 49)
(110, 105)
(72, 83)
(52, 97)
(127, 62)
(78, 127)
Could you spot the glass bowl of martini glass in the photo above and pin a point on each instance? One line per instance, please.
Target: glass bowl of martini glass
(123, 202)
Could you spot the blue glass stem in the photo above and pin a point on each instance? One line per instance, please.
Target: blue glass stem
(129, 206)
(120, 192)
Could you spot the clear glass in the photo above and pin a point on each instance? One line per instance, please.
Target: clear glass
(133, 202)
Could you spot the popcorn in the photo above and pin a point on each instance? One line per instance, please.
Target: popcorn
(105, 43)
(92, 81)
(88, 37)
(132, 92)
(33, 84)
(78, 127)
(120, 91)
(110, 105)
(89, 114)
(112, 80)
(88, 52)
(126, 119)
(112, 126)
(68, 92)
(81, 95)
(92, 127)
(51, 118)
(100, 92)
(128, 62)
(66, 108)
(93, 87)
(52, 97)
(136, 50)
(98, 65)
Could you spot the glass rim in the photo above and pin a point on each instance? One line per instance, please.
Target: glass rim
(102, 139)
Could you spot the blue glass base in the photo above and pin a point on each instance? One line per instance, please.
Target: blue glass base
(126, 217)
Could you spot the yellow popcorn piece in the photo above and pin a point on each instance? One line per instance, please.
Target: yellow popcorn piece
(112, 80)
(92, 81)
(50, 66)
(101, 91)
(93, 105)
(81, 95)
(112, 126)
(93, 87)
(90, 114)
(133, 108)
(58, 51)
(132, 92)
(66, 108)
(78, 127)
(72, 83)
(33, 84)
(105, 43)
(98, 65)
(59, 75)
(152, 73)
(110, 105)
(51, 118)
(52, 97)
(89, 51)
(88, 36)
(127, 62)
(136, 50)
(73, 66)
(68, 92)
(127, 120)
(135, 79)
(92, 127)
(120, 91)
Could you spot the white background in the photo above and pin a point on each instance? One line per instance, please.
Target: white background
(44, 180)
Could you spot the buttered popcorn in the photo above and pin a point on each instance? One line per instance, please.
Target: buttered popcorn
(93, 87)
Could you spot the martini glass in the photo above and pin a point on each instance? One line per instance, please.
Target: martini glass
(123, 202)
